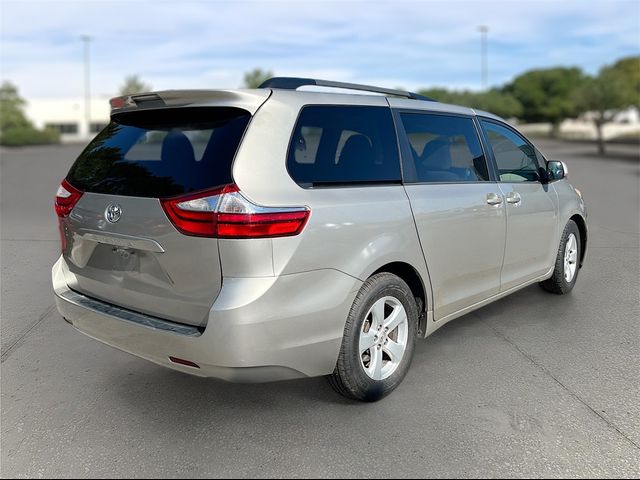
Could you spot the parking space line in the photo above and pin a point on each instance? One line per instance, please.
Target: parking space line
(22, 336)
(541, 367)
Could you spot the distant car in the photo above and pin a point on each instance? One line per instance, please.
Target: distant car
(275, 233)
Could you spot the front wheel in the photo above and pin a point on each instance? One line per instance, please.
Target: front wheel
(379, 339)
(567, 265)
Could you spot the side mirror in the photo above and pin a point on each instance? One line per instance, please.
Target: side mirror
(556, 170)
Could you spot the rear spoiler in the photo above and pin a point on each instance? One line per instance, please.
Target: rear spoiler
(249, 100)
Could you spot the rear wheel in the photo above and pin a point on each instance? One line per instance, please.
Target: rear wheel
(379, 339)
(567, 265)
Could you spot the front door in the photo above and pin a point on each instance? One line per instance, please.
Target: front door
(532, 220)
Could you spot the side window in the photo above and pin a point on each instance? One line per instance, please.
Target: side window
(541, 160)
(337, 145)
(445, 148)
(515, 158)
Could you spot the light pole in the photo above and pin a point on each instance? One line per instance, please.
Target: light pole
(483, 56)
(86, 39)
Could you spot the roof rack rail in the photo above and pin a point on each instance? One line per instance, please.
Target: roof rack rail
(293, 83)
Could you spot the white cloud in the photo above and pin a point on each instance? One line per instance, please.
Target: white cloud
(210, 44)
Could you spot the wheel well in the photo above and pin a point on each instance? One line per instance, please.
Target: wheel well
(412, 278)
(582, 227)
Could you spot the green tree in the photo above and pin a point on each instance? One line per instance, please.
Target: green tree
(11, 108)
(443, 95)
(495, 100)
(255, 77)
(548, 95)
(133, 84)
(15, 128)
(498, 102)
(629, 69)
(615, 88)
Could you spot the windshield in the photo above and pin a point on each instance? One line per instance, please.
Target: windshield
(161, 153)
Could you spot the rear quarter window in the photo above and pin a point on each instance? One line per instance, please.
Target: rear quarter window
(161, 153)
(343, 145)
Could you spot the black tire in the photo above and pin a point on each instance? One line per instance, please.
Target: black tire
(557, 283)
(349, 377)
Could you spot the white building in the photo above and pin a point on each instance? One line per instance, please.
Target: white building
(68, 117)
(626, 122)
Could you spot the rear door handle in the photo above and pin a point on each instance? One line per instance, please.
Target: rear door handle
(514, 198)
(494, 199)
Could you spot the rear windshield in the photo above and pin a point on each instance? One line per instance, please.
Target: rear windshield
(161, 153)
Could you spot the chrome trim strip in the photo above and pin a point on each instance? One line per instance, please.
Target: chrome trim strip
(120, 240)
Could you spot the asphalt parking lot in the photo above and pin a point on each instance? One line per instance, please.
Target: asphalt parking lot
(533, 385)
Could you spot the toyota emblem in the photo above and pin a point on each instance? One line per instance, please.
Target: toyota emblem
(113, 213)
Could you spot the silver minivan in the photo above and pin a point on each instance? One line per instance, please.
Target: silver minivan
(278, 233)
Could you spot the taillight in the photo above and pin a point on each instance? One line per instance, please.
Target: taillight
(226, 213)
(66, 198)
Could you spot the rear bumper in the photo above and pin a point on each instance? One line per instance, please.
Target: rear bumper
(259, 329)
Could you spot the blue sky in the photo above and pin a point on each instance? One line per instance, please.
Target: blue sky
(209, 44)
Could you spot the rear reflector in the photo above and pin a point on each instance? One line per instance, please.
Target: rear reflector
(181, 361)
(66, 198)
(225, 213)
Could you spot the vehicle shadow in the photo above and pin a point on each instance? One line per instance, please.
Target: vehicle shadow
(530, 306)
(176, 393)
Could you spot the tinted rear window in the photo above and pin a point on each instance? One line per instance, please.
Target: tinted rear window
(161, 153)
(335, 145)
